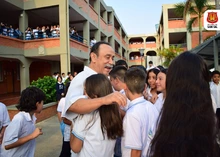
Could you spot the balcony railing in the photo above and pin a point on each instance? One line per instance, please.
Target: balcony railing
(182, 45)
(93, 14)
(117, 33)
(103, 23)
(82, 4)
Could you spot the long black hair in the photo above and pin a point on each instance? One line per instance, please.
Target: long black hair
(96, 86)
(187, 127)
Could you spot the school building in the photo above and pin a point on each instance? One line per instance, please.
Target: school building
(23, 59)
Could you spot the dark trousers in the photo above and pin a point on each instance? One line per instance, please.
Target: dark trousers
(65, 152)
(218, 116)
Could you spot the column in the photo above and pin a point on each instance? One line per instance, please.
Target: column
(64, 36)
(98, 35)
(23, 22)
(24, 73)
(165, 26)
(215, 47)
(86, 33)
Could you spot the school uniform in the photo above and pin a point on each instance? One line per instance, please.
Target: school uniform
(21, 125)
(87, 128)
(159, 102)
(59, 90)
(65, 129)
(139, 126)
(4, 119)
(215, 91)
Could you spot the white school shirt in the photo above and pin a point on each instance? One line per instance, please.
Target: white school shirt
(20, 126)
(159, 102)
(88, 129)
(124, 108)
(139, 126)
(60, 108)
(215, 91)
(4, 119)
(75, 91)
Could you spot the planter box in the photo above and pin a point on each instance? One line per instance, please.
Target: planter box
(48, 111)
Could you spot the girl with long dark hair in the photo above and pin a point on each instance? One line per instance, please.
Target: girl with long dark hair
(94, 134)
(187, 126)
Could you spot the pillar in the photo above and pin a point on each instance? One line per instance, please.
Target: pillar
(64, 36)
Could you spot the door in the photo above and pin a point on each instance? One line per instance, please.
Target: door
(9, 81)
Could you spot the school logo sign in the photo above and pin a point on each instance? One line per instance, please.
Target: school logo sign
(211, 21)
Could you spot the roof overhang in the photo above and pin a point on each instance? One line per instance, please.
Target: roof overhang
(209, 51)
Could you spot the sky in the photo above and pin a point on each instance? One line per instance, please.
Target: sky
(139, 16)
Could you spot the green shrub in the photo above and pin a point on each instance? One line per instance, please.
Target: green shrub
(48, 85)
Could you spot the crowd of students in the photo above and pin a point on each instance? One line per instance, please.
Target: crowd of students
(158, 113)
(38, 32)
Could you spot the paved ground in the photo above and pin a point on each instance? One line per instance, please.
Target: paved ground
(49, 144)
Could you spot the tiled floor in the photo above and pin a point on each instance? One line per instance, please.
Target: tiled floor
(10, 99)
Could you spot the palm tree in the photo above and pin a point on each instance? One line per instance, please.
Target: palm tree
(196, 8)
(168, 54)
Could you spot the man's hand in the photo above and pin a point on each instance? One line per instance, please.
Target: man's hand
(115, 97)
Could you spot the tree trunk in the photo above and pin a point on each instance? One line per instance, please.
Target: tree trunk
(200, 29)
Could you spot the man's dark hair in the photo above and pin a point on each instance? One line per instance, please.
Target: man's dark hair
(29, 97)
(150, 62)
(95, 48)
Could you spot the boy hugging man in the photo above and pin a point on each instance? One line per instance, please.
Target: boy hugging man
(140, 119)
(19, 137)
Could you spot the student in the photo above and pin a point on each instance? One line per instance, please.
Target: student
(140, 118)
(65, 127)
(151, 66)
(95, 133)
(59, 88)
(161, 87)
(187, 125)
(121, 62)
(19, 138)
(151, 91)
(4, 121)
(117, 75)
(215, 91)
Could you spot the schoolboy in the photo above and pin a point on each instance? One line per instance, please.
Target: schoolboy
(117, 75)
(215, 91)
(140, 119)
(19, 137)
(4, 121)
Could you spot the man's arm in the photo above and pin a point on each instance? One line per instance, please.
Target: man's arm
(82, 106)
(135, 153)
(25, 139)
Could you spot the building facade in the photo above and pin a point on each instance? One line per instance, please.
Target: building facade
(26, 58)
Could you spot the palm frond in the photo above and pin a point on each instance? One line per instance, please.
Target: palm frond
(192, 11)
(207, 7)
(179, 9)
(200, 4)
(190, 23)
